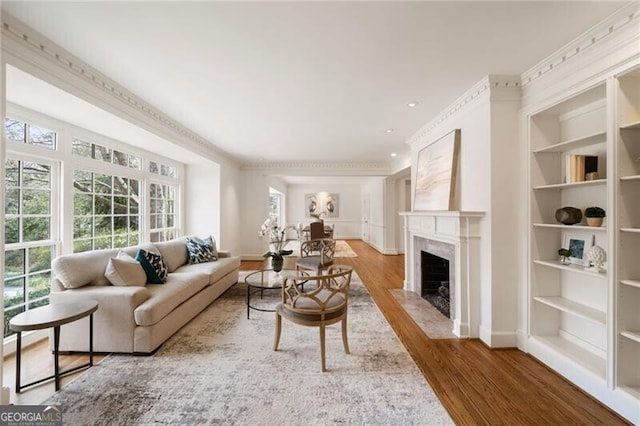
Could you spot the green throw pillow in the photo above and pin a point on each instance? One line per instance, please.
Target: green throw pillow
(153, 265)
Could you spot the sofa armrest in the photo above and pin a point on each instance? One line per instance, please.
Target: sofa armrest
(113, 322)
(224, 253)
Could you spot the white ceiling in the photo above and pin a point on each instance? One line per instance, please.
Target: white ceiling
(307, 81)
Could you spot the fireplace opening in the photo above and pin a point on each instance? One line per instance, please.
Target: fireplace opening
(435, 281)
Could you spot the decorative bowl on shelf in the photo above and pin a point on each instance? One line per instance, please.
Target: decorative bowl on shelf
(569, 215)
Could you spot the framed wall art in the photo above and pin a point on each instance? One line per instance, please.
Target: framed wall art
(323, 203)
(578, 244)
(436, 174)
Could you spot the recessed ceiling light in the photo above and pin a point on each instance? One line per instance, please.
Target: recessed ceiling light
(389, 130)
(412, 104)
(393, 154)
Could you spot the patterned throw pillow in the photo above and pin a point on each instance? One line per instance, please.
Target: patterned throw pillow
(153, 266)
(201, 251)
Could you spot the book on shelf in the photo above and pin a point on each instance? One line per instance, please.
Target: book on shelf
(579, 168)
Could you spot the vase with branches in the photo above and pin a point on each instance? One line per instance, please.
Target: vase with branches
(276, 234)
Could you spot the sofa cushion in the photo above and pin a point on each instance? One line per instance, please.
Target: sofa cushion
(80, 269)
(165, 298)
(201, 251)
(153, 265)
(124, 270)
(215, 270)
(174, 252)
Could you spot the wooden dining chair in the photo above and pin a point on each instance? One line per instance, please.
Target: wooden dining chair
(324, 303)
(316, 255)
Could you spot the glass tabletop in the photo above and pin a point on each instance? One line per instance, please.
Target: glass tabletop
(268, 278)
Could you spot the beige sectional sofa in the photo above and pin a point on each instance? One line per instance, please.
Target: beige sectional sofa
(138, 319)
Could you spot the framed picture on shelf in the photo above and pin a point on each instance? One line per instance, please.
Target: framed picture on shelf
(578, 245)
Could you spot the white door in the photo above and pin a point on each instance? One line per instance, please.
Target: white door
(365, 217)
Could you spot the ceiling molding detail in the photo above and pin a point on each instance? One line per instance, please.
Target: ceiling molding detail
(172, 130)
(306, 167)
(586, 42)
(499, 87)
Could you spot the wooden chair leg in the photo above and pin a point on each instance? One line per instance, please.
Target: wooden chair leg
(322, 358)
(276, 338)
(345, 342)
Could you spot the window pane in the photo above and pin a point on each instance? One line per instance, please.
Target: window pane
(40, 258)
(154, 167)
(120, 186)
(82, 245)
(81, 148)
(102, 226)
(14, 263)
(134, 187)
(8, 314)
(155, 237)
(82, 204)
(102, 153)
(14, 130)
(170, 223)
(12, 173)
(35, 228)
(170, 234)
(13, 291)
(42, 137)
(36, 202)
(39, 285)
(102, 242)
(102, 184)
(36, 175)
(103, 204)
(153, 221)
(12, 201)
(134, 224)
(120, 205)
(135, 162)
(82, 227)
(121, 240)
(120, 158)
(11, 230)
(82, 181)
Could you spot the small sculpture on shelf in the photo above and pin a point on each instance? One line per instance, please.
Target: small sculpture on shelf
(569, 215)
(565, 254)
(596, 256)
(595, 216)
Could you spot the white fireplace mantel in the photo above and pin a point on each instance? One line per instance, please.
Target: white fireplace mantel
(461, 230)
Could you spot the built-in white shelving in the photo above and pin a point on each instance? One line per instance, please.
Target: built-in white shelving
(579, 142)
(574, 308)
(580, 269)
(633, 335)
(571, 227)
(632, 283)
(594, 182)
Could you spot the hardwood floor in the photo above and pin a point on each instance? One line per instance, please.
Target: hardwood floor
(476, 385)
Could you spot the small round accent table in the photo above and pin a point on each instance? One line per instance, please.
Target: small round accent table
(267, 279)
(48, 316)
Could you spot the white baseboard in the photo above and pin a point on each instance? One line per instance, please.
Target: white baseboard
(498, 339)
(28, 338)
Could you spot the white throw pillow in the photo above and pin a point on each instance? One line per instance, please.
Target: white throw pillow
(124, 270)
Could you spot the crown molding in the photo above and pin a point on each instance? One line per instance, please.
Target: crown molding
(86, 82)
(321, 168)
(589, 41)
(497, 87)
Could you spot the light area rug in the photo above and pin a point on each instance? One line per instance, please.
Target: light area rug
(221, 369)
(343, 249)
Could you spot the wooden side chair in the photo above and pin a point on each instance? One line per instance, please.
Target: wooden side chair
(316, 255)
(325, 304)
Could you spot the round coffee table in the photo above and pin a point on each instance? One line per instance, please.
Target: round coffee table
(268, 279)
(48, 316)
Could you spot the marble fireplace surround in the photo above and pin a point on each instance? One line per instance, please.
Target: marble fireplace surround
(455, 236)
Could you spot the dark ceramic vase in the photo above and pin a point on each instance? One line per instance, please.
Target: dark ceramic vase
(276, 263)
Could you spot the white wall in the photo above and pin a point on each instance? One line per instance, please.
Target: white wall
(347, 225)
(202, 200)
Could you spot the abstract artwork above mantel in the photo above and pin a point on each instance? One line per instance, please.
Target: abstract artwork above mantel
(323, 203)
(436, 174)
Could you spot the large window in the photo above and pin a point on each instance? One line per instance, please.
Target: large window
(29, 248)
(106, 211)
(162, 212)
